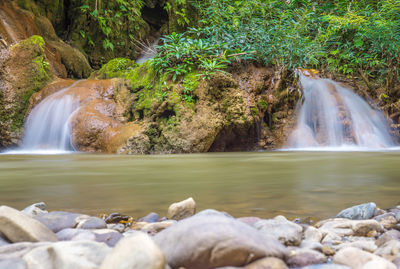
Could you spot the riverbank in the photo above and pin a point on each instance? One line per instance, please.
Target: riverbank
(363, 236)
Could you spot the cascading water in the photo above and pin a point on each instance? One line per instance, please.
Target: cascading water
(333, 117)
(48, 125)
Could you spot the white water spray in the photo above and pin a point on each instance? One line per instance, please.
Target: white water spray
(333, 118)
(48, 125)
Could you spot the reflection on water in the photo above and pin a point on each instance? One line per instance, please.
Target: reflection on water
(296, 184)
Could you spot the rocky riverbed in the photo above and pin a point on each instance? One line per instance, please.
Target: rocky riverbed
(363, 236)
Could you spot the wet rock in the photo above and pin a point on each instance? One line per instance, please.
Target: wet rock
(150, 218)
(15, 263)
(116, 218)
(389, 248)
(91, 223)
(110, 237)
(59, 220)
(280, 228)
(334, 229)
(18, 250)
(35, 209)
(136, 251)
(267, 263)
(356, 258)
(182, 210)
(18, 227)
(388, 220)
(68, 254)
(209, 241)
(387, 236)
(358, 212)
(304, 257)
(312, 234)
(249, 220)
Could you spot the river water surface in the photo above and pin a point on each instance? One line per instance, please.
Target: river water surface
(264, 184)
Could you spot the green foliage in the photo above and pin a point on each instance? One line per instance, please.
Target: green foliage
(113, 18)
(180, 55)
(342, 36)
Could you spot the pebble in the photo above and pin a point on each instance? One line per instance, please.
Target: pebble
(304, 257)
(387, 236)
(182, 210)
(357, 258)
(267, 263)
(150, 218)
(358, 212)
(59, 220)
(137, 251)
(35, 209)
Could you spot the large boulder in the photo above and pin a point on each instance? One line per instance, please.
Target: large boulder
(358, 212)
(18, 227)
(214, 241)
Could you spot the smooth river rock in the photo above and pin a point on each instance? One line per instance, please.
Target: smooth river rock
(68, 255)
(359, 259)
(90, 223)
(150, 218)
(358, 212)
(210, 241)
(289, 233)
(304, 257)
(108, 236)
(388, 220)
(59, 220)
(17, 250)
(182, 210)
(137, 251)
(18, 227)
(334, 229)
(35, 209)
(267, 263)
(388, 236)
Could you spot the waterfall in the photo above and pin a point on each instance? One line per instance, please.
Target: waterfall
(333, 117)
(48, 124)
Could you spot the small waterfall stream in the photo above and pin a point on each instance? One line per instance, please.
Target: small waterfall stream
(48, 125)
(333, 117)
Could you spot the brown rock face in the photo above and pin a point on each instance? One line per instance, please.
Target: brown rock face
(98, 125)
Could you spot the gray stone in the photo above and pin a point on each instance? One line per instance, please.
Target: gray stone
(326, 266)
(18, 250)
(137, 251)
(70, 234)
(387, 236)
(153, 228)
(366, 245)
(311, 245)
(68, 255)
(334, 229)
(388, 220)
(358, 212)
(209, 241)
(18, 227)
(150, 218)
(182, 209)
(15, 263)
(209, 212)
(357, 258)
(312, 234)
(280, 228)
(389, 248)
(116, 227)
(59, 220)
(267, 263)
(304, 257)
(90, 223)
(35, 209)
(110, 237)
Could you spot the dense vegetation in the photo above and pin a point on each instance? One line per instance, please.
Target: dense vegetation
(349, 37)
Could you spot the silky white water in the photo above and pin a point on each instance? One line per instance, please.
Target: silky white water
(332, 117)
(48, 125)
